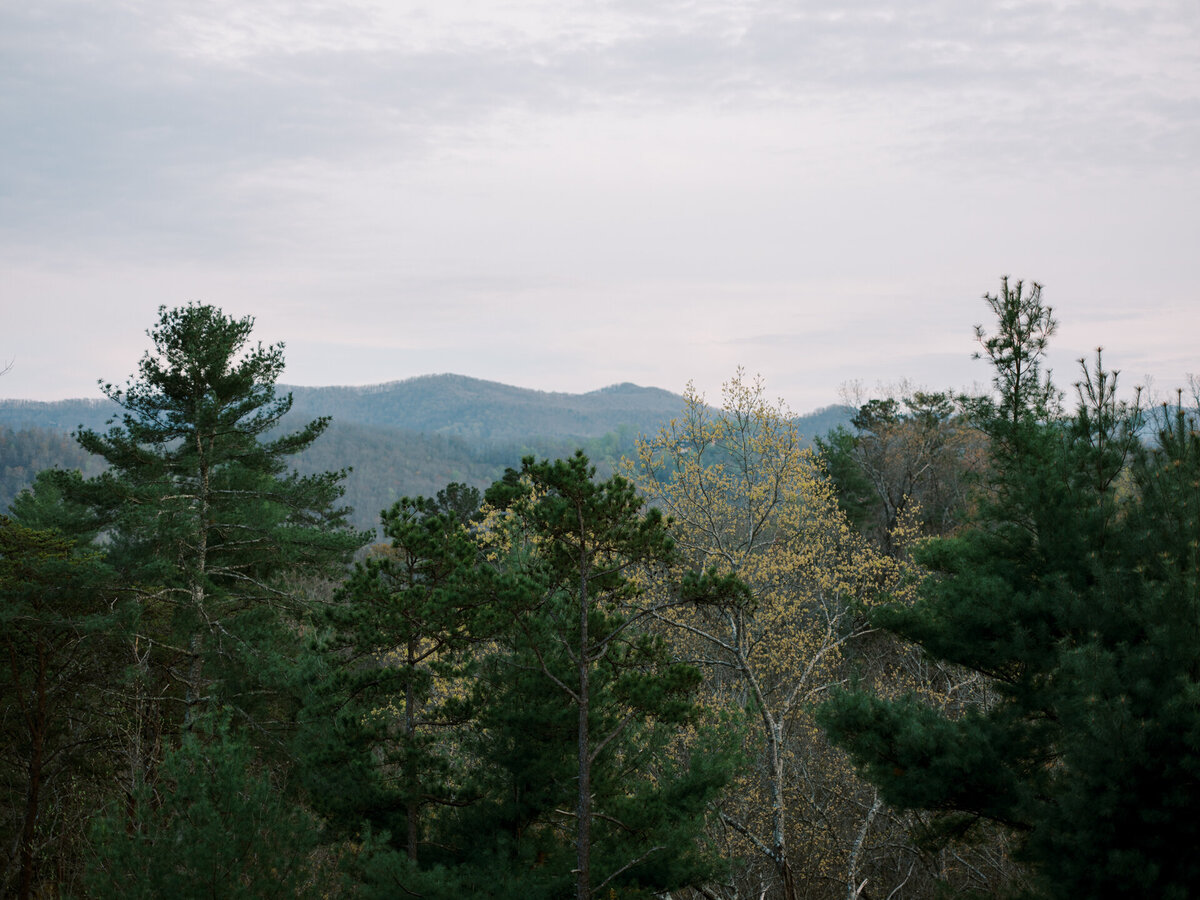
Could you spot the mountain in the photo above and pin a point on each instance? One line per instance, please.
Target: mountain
(403, 437)
(63, 416)
(434, 404)
(487, 410)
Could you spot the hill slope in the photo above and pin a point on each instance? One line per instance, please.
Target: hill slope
(435, 404)
(487, 410)
(403, 437)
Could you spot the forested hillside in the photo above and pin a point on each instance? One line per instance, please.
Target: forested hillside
(26, 451)
(432, 404)
(401, 438)
(485, 410)
(948, 651)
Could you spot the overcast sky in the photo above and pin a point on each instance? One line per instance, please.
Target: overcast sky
(565, 194)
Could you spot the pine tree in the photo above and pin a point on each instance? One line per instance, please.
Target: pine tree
(382, 718)
(583, 700)
(56, 628)
(200, 512)
(1076, 597)
(217, 826)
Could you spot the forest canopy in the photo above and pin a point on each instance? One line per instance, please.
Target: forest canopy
(950, 648)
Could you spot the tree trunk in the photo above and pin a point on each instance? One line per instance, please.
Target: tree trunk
(196, 588)
(412, 802)
(778, 811)
(37, 734)
(583, 846)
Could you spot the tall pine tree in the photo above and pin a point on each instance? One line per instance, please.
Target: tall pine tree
(1075, 592)
(380, 725)
(585, 699)
(200, 511)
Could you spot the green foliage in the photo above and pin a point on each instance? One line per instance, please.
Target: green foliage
(394, 641)
(198, 508)
(1080, 603)
(1024, 326)
(215, 825)
(56, 636)
(649, 798)
(855, 491)
(909, 453)
(188, 599)
(581, 677)
(482, 667)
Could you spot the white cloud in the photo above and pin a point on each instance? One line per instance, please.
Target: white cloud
(590, 192)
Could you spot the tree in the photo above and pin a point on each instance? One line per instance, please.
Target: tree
(199, 509)
(175, 568)
(378, 742)
(576, 553)
(218, 828)
(54, 623)
(909, 449)
(747, 497)
(1076, 597)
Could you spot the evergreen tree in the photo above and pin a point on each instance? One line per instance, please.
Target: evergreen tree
(1078, 600)
(377, 742)
(55, 628)
(216, 827)
(583, 701)
(199, 509)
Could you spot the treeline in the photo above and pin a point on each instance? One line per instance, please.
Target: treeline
(26, 451)
(382, 463)
(387, 463)
(950, 650)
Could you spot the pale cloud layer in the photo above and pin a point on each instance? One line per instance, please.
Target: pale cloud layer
(568, 194)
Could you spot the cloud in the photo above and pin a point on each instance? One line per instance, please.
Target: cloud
(688, 182)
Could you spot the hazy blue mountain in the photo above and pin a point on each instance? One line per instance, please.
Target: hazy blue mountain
(488, 410)
(404, 437)
(437, 404)
(452, 404)
(63, 416)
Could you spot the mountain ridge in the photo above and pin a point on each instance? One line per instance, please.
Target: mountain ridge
(400, 438)
(428, 401)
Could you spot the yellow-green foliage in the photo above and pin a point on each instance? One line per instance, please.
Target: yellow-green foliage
(745, 495)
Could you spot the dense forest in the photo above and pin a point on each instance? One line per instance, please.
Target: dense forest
(948, 649)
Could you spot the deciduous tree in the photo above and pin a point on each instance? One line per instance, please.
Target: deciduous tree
(908, 451)
(747, 497)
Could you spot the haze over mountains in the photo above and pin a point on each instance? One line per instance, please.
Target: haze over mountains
(442, 404)
(400, 438)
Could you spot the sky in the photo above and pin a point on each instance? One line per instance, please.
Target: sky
(567, 194)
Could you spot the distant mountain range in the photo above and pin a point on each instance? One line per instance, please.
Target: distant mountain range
(403, 437)
(434, 404)
(487, 410)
